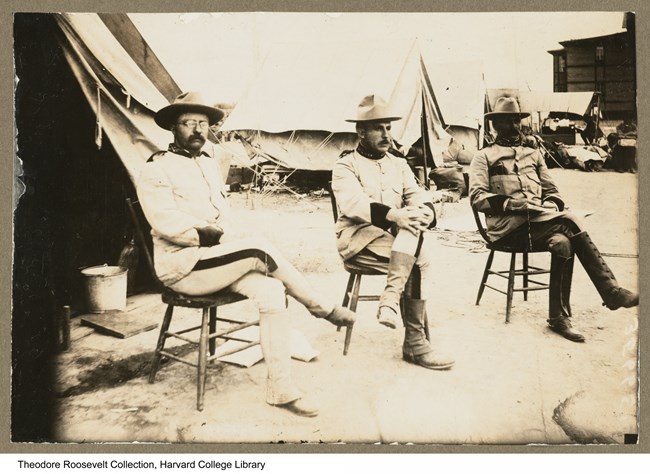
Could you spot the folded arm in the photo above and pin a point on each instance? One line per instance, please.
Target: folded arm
(166, 219)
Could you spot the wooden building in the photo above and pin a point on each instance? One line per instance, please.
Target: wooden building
(604, 64)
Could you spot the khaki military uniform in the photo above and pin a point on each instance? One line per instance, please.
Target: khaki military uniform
(500, 172)
(179, 194)
(366, 189)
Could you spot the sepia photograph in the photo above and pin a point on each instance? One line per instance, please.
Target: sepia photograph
(355, 228)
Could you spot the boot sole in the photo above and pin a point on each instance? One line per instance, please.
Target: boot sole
(578, 338)
(619, 306)
(411, 360)
(298, 411)
(388, 324)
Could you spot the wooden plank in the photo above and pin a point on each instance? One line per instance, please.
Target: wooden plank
(119, 323)
(79, 332)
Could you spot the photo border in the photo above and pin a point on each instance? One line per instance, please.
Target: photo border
(7, 140)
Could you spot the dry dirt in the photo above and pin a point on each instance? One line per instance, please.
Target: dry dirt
(512, 384)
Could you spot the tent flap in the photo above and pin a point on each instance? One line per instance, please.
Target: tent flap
(108, 78)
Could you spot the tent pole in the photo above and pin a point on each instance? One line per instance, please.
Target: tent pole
(425, 144)
(597, 114)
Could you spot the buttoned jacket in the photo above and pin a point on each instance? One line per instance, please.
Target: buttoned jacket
(500, 172)
(365, 190)
(179, 194)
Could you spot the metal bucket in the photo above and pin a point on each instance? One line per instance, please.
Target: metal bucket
(105, 288)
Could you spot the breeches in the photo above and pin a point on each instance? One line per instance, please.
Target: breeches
(552, 236)
(243, 267)
(253, 268)
(376, 255)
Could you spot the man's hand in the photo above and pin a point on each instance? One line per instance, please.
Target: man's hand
(516, 205)
(411, 218)
(209, 235)
(550, 205)
(429, 215)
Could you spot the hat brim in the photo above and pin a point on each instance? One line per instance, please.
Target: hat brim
(166, 116)
(491, 115)
(381, 119)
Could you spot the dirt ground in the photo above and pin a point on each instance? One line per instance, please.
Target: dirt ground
(512, 384)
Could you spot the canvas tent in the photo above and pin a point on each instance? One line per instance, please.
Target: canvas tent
(123, 82)
(86, 86)
(295, 108)
(121, 93)
(575, 104)
(460, 92)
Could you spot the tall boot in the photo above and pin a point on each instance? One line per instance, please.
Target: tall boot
(613, 295)
(317, 304)
(559, 307)
(416, 348)
(399, 270)
(275, 335)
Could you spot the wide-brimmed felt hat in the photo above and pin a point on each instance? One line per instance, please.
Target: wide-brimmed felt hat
(184, 103)
(506, 107)
(373, 107)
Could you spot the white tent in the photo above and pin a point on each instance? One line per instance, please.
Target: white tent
(543, 104)
(460, 92)
(123, 82)
(575, 103)
(120, 93)
(296, 107)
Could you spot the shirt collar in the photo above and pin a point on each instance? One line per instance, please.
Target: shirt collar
(510, 141)
(183, 152)
(363, 151)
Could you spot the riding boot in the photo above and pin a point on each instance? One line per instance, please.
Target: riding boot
(416, 348)
(275, 335)
(567, 279)
(399, 270)
(559, 307)
(316, 303)
(613, 295)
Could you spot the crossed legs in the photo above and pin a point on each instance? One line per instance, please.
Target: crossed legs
(255, 269)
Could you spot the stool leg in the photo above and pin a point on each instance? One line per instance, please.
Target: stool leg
(486, 272)
(155, 363)
(354, 300)
(346, 297)
(348, 289)
(511, 285)
(525, 258)
(212, 342)
(203, 360)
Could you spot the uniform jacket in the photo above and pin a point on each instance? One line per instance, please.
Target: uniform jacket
(179, 194)
(501, 172)
(365, 190)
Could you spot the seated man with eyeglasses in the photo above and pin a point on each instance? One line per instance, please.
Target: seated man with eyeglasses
(197, 252)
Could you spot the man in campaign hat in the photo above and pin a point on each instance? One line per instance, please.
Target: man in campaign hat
(510, 183)
(382, 224)
(198, 250)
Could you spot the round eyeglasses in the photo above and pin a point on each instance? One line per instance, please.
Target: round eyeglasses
(193, 124)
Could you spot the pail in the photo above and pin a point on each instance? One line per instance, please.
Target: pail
(105, 288)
